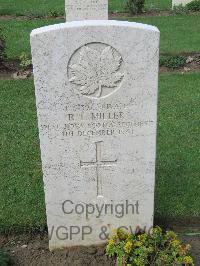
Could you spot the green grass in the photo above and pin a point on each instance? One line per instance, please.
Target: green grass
(158, 4)
(48, 7)
(178, 156)
(21, 191)
(31, 7)
(178, 33)
(17, 35)
(177, 175)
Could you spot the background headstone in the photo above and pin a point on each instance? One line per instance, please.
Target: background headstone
(86, 10)
(179, 2)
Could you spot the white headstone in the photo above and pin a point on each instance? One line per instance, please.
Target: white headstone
(86, 10)
(179, 2)
(96, 93)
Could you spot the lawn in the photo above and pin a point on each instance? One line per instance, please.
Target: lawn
(177, 175)
(178, 156)
(178, 33)
(49, 7)
(21, 190)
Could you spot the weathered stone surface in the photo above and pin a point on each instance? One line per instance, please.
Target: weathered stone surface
(86, 10)
(179, 2)
(96, 94)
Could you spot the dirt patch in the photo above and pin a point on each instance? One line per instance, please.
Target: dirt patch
(112, 15)
(195, 243)
(179, 224)
(19, 18)
(27, 249)
(152, 13)
(13, 70)
(33, 250)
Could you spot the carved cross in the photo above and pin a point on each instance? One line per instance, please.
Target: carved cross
(98, 163)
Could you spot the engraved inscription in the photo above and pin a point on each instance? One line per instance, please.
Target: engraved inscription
(80, 6)
(95, 70)
(98, 163)
(86, 9)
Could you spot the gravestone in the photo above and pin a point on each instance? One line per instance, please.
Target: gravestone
(96, 97)
(179, 2)
(86, 9)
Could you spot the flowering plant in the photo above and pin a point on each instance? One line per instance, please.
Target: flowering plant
(155, 249)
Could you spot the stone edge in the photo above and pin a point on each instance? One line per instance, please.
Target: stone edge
(94, 23)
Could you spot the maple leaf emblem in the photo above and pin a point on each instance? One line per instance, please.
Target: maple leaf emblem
(96, 69)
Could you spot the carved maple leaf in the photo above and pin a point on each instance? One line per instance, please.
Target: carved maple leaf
(96, 70)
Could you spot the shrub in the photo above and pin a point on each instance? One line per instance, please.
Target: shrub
(54, 13)
(155, 249)
(197, 59)
(135, 6)
(25, 61)
(194, 5)
(177, 61)
(4, 259)
(180, 9)
(2, 47)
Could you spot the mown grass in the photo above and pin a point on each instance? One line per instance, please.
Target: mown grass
(177, 183)
(177, 174)
(51, 7)
(21, 190)
(178, 33)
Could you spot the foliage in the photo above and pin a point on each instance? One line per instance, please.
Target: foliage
(197, 59)
(135, 6)
(25, 61)
(176, 61)
(180, 10)
(4, 259)
(2, 47)
(194, 5)
(54, 13)
(156, 249)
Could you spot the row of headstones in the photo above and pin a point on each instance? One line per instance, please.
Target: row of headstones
(96, 94)
(88, 9)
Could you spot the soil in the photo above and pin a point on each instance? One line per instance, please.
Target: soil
(25, 17)
(27, 249)
(32, 249)
(152, 13)
(111, 15)
(12, 69)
